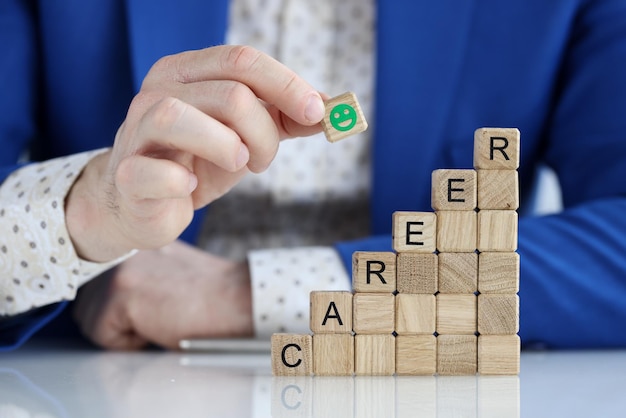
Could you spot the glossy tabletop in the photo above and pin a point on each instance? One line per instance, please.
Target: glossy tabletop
(77, 381)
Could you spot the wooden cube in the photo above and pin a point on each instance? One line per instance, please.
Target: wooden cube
(374, 354)
(292, 355)
(456, 355)
(417, 273)
(331, 312)
(415, 314)
(497, 148)
(453, 190)
(456, 231)
(333, 354)
(498, 272)
(292, 396)
(498, 189)
(458, 272)
(456, 314)
(414, 232)
(374, 272)
(499, 354)
(343, 117)
(498, 314)
(416, 355)
(497, 230)
(373, 313)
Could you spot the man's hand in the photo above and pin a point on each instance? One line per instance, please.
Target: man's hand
(163, 296)
(201, 120)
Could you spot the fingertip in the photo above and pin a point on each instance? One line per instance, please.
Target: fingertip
(243, 156)
(314, 110)
(193, 182)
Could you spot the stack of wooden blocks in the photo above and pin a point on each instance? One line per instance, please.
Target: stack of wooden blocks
(445, 300)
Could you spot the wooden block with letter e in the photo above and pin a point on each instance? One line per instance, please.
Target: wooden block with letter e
(453, 190)
(414, 232)
(497, 230)
(417, 273)
(498, 189)
(499, 354)
(331, 312)
(373, 313)
(456, 355)
(416, 355)
(374, 354)
(374, 272)
(498, 314)
(333, 354)
(456, 231)
(415, 314)
(456, 314)
(343, 117)
(498, 272)
(458, 272)
(292, 355)
(497, 148)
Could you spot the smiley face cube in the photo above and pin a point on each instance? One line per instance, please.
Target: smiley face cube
(343, 117)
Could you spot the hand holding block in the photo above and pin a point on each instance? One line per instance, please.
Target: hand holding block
(343, 117)
(456, 355)
(373, 313)
(292, 355)
(374, 355)
(374, 272)
(498, 272)
(458, 272)
(331, 312)
(414, 232)
(416, 355)
(417, 273)
(497, 148)
(453, 190)
(499, 354)
(498, 189)
(333, 354)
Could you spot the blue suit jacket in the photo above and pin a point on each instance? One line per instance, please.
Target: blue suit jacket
(554, 69)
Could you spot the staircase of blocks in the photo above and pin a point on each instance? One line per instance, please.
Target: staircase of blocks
(444, 301)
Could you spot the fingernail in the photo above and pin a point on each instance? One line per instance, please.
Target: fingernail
(242, 157)
(314, 111)
(193, 182)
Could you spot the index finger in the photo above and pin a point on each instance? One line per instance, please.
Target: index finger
(270, 80)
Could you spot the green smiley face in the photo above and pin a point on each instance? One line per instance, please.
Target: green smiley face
(343, 117)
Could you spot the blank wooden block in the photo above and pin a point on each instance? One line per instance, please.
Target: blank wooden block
(456, 314)
(498, 314)
(498, 189)
(374, 272)
(498, 272)
(331, 312)
(414, 232)
(374, 354)
(415, 314)
(497, 230)
(497, 148)
(417, 273)
(333, 354)
(292, 355)
(343, 117)
(416, 355)
(456, 355)
(458, 272)
(456, 231)
(499, 354)
(373, 313)
(453, 189)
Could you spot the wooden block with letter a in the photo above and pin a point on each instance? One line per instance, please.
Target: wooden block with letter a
(333, 354)
(453, 189)
(374, 272)
(497, 230)
(498, 272)
(343, 117)
(456, 355)
(456, 231)
(416, 355)
(373, 313)
(498, 189)
(374, 354)
(292, 355)
(498, 314)
(497, 148)
(414, 232)
(415, 314)
(417, 273)
(331, 312)
(499, 354)
(458, 272)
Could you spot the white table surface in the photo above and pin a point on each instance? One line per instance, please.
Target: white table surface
(60, 381)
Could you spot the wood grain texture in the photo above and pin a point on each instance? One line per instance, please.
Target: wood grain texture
(498, 189)
(416, 355)
(333, 354)
(417, 273)
(498, 314)
(374, 355)
(497, 148)
(453, 189)
(499, 354)
(331, 312)
(344, 116)
(292, 355)
(415, 314)
(414, 232)
(456, 231)
(374, 272)
(458, 272)
(497, 230)
(456, 314)
(457, 355)
(498, 272)
(373, 313)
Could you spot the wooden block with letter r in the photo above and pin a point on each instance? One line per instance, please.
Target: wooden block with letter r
(331, 312)
(374, 354)
(499, 354)
(414, 232)
(498, 314)
(453, 189)
(497, 148)
(373, 313)
(456, 355)
(343, 117)
(417, 273)
(292, 355)
(497, 230)
(374, 272)
(333, 354)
